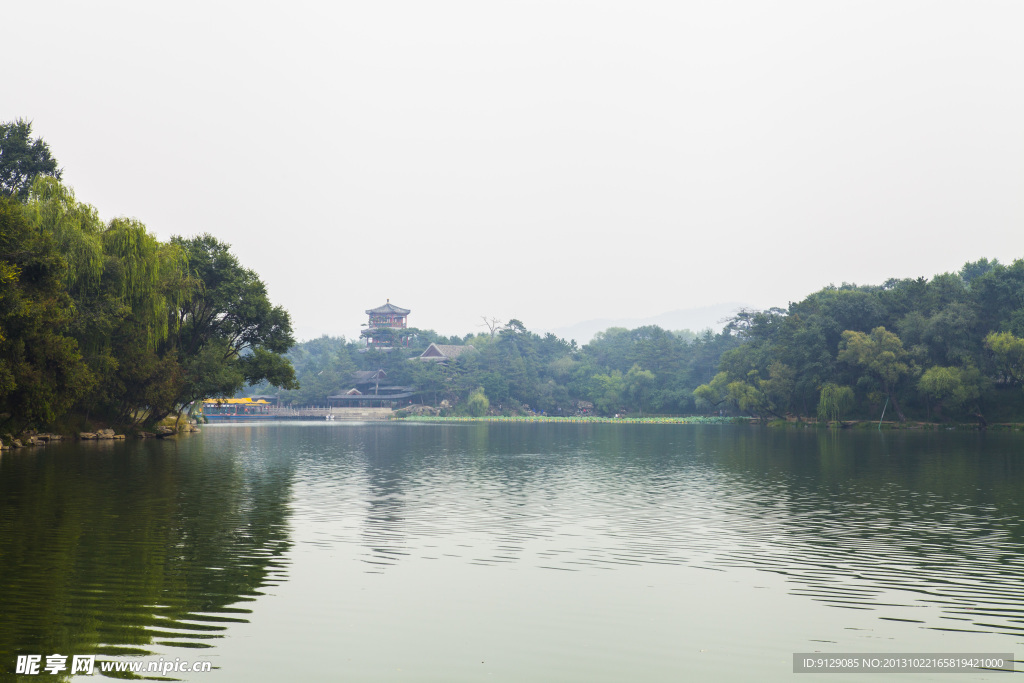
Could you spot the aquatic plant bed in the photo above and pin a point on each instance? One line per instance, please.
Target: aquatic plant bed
(590, 420)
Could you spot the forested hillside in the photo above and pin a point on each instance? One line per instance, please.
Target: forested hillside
(646, 370)
(949, 347)
(946, 348)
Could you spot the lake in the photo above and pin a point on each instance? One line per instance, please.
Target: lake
(512, 552)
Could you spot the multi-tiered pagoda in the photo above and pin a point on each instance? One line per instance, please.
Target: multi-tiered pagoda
(386, 326)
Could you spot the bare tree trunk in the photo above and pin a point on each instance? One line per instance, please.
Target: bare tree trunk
(492, 324)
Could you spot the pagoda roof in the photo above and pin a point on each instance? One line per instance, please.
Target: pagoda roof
(388, 308)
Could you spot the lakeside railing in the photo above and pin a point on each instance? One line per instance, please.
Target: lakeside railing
(302, 413)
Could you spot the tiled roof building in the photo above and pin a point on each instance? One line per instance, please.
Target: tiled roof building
(385, 321)
(445, 352)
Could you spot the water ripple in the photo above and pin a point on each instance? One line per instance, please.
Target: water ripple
(891, 546)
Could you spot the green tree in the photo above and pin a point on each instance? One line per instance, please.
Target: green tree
(835, 400)
(477, 403)
(882, 355)
(713, 394)
(23, 159)
(998, 298)
(323, 367)
(778, 388)
(76, 229)
(227, 334)
(1008, 351)
(976, 269)
(950, 387)
(606, 392)
(747, 398)
(124, 285)
(41, 369)
(431, 378)
(638, 383)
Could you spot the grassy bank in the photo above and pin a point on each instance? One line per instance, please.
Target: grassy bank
(783, 424)
(581, 420)
(861, 425)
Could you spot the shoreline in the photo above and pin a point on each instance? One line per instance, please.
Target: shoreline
(575, 420)
(852, 425)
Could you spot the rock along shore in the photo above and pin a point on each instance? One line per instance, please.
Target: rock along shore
(32, 438)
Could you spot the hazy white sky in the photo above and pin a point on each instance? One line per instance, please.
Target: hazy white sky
(549, 161)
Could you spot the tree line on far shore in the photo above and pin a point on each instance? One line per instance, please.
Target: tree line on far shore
(515, 371)
(946, 348)
(101, 321)
(949, 347)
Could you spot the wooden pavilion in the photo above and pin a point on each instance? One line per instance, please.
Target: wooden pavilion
(385, 326)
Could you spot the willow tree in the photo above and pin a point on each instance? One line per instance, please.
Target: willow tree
(834, 401)
(477, 404)
(146, 281)
(881, 355)
(41, 369)
(76, 229)
(151, 278)
(125, 286)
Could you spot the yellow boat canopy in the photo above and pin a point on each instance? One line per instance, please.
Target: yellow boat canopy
(232, 401)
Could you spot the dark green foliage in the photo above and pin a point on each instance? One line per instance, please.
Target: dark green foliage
(322, 367)
(23, 159)
(226, 333)
(640, 371)
(930, 348)
(107, 322)
(923, 347)
(41, 369)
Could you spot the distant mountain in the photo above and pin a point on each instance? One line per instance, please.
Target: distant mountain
(696, 319)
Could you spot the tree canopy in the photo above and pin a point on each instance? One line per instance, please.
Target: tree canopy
(103, 321)
(949, 347)
(41, 368)
(23, 159)
(228, 334)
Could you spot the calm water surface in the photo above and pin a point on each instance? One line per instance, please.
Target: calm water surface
(402, 552)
